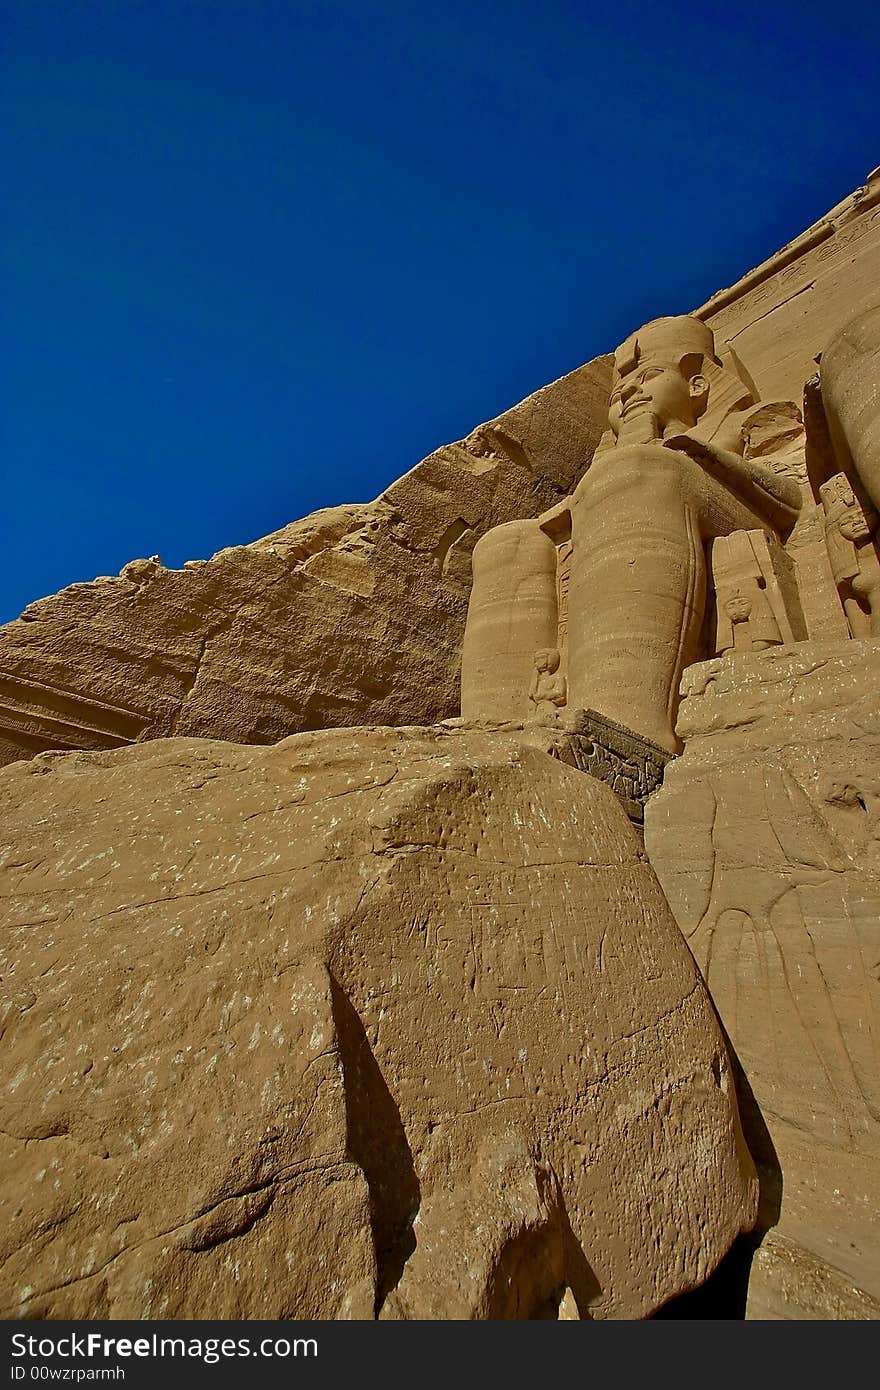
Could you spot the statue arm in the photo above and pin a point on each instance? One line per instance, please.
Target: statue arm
(777, 497)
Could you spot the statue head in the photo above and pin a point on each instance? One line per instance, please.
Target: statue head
(738, 606)
(843, 509)
(547, 659)
(659, 384)
(853, 525)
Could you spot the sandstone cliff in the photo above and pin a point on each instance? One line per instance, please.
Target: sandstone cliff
(354, 615)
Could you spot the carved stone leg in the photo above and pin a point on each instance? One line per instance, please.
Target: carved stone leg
(513, 612)
(640, 520)
(850, 375)
(637, 593)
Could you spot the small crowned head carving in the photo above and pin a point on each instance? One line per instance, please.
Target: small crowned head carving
(843, 509)
(659, 376)
(738, 606)
(547, 659)
(853, 525)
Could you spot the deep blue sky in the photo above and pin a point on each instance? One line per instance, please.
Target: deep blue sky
(262, 257)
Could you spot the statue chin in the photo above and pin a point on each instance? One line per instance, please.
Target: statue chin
(640, 427)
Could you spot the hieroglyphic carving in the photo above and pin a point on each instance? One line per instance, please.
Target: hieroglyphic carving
(796, 265)
(563, 584)
(632, 766)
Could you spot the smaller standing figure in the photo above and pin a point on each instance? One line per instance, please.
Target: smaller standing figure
(849, 533)
(549, 689)
(751, 612)
(745, 619)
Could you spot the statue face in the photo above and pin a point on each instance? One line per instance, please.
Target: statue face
(547, 660)
(843, 511)
(852, 523)
(660, 390)
(737, 606)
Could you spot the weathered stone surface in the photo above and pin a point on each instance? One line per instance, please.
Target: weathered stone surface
(782, 314)
(352, 616)
(713, 521)
(630, 766)
(373, 1020)
(787, 1281)
(766, 839)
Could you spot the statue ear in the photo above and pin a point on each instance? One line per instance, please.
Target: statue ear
(699, 392)
(699, 386)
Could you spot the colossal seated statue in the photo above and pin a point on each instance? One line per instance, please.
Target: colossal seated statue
(676, 470)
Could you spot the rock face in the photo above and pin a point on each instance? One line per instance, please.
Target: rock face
(782, 314)
(766, 839)
(373, 1021)
(352, 616)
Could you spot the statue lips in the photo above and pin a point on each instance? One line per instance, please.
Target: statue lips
(634, 403)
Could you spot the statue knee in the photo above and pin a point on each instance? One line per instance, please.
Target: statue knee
(502, 545)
